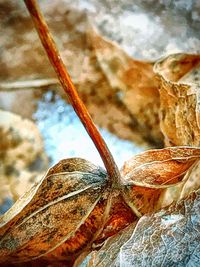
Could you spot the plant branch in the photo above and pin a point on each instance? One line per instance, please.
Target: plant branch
(27, 85)
(65, 80)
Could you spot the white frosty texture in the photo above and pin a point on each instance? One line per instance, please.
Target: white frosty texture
(65, 137)
(147, 29)
(167, 238)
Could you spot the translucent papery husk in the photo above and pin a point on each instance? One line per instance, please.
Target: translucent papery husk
(134, 83)
(179, 88)
(167, 238)
(107, 255)
(146, 176)
(58, 217)
(179, 99)
(120, 216)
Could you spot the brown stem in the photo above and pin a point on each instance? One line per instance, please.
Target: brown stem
(69, 88)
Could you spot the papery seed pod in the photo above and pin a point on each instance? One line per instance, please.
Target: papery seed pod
(167, 238)
(120, 216)
(107, 255)
(136, 84)
(53, 211)
(148, 174)
(179, 84)
(178, 76)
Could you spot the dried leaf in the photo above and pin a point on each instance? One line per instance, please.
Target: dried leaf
(135, 82)
(145, 178)
(179, 96)
(167, 238)
(193, 181)
(120, 216)
(146, 175)
(179, 99)
(107, 255)
(64, 214)
(53, 212)
(158, 239)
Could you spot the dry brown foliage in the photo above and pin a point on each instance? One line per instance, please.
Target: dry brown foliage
(77, 208)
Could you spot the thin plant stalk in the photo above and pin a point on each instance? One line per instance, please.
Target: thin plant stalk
(68, 86)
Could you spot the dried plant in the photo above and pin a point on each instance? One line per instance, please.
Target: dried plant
(77, 206)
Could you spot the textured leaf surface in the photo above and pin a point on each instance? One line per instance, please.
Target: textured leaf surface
(159, 167)
(53, 211)
(120, 216)
(146, 175)
(167, 238)
(107, 255)
(179, 88)
(179, 98)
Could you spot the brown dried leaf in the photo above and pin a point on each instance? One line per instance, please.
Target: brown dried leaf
(135, 83)
(120, 216)
(179, 99)
(167, 238)
(146, 175)
(53, 212)
(178, 77)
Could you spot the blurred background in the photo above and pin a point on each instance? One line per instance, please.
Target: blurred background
(109, 48)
